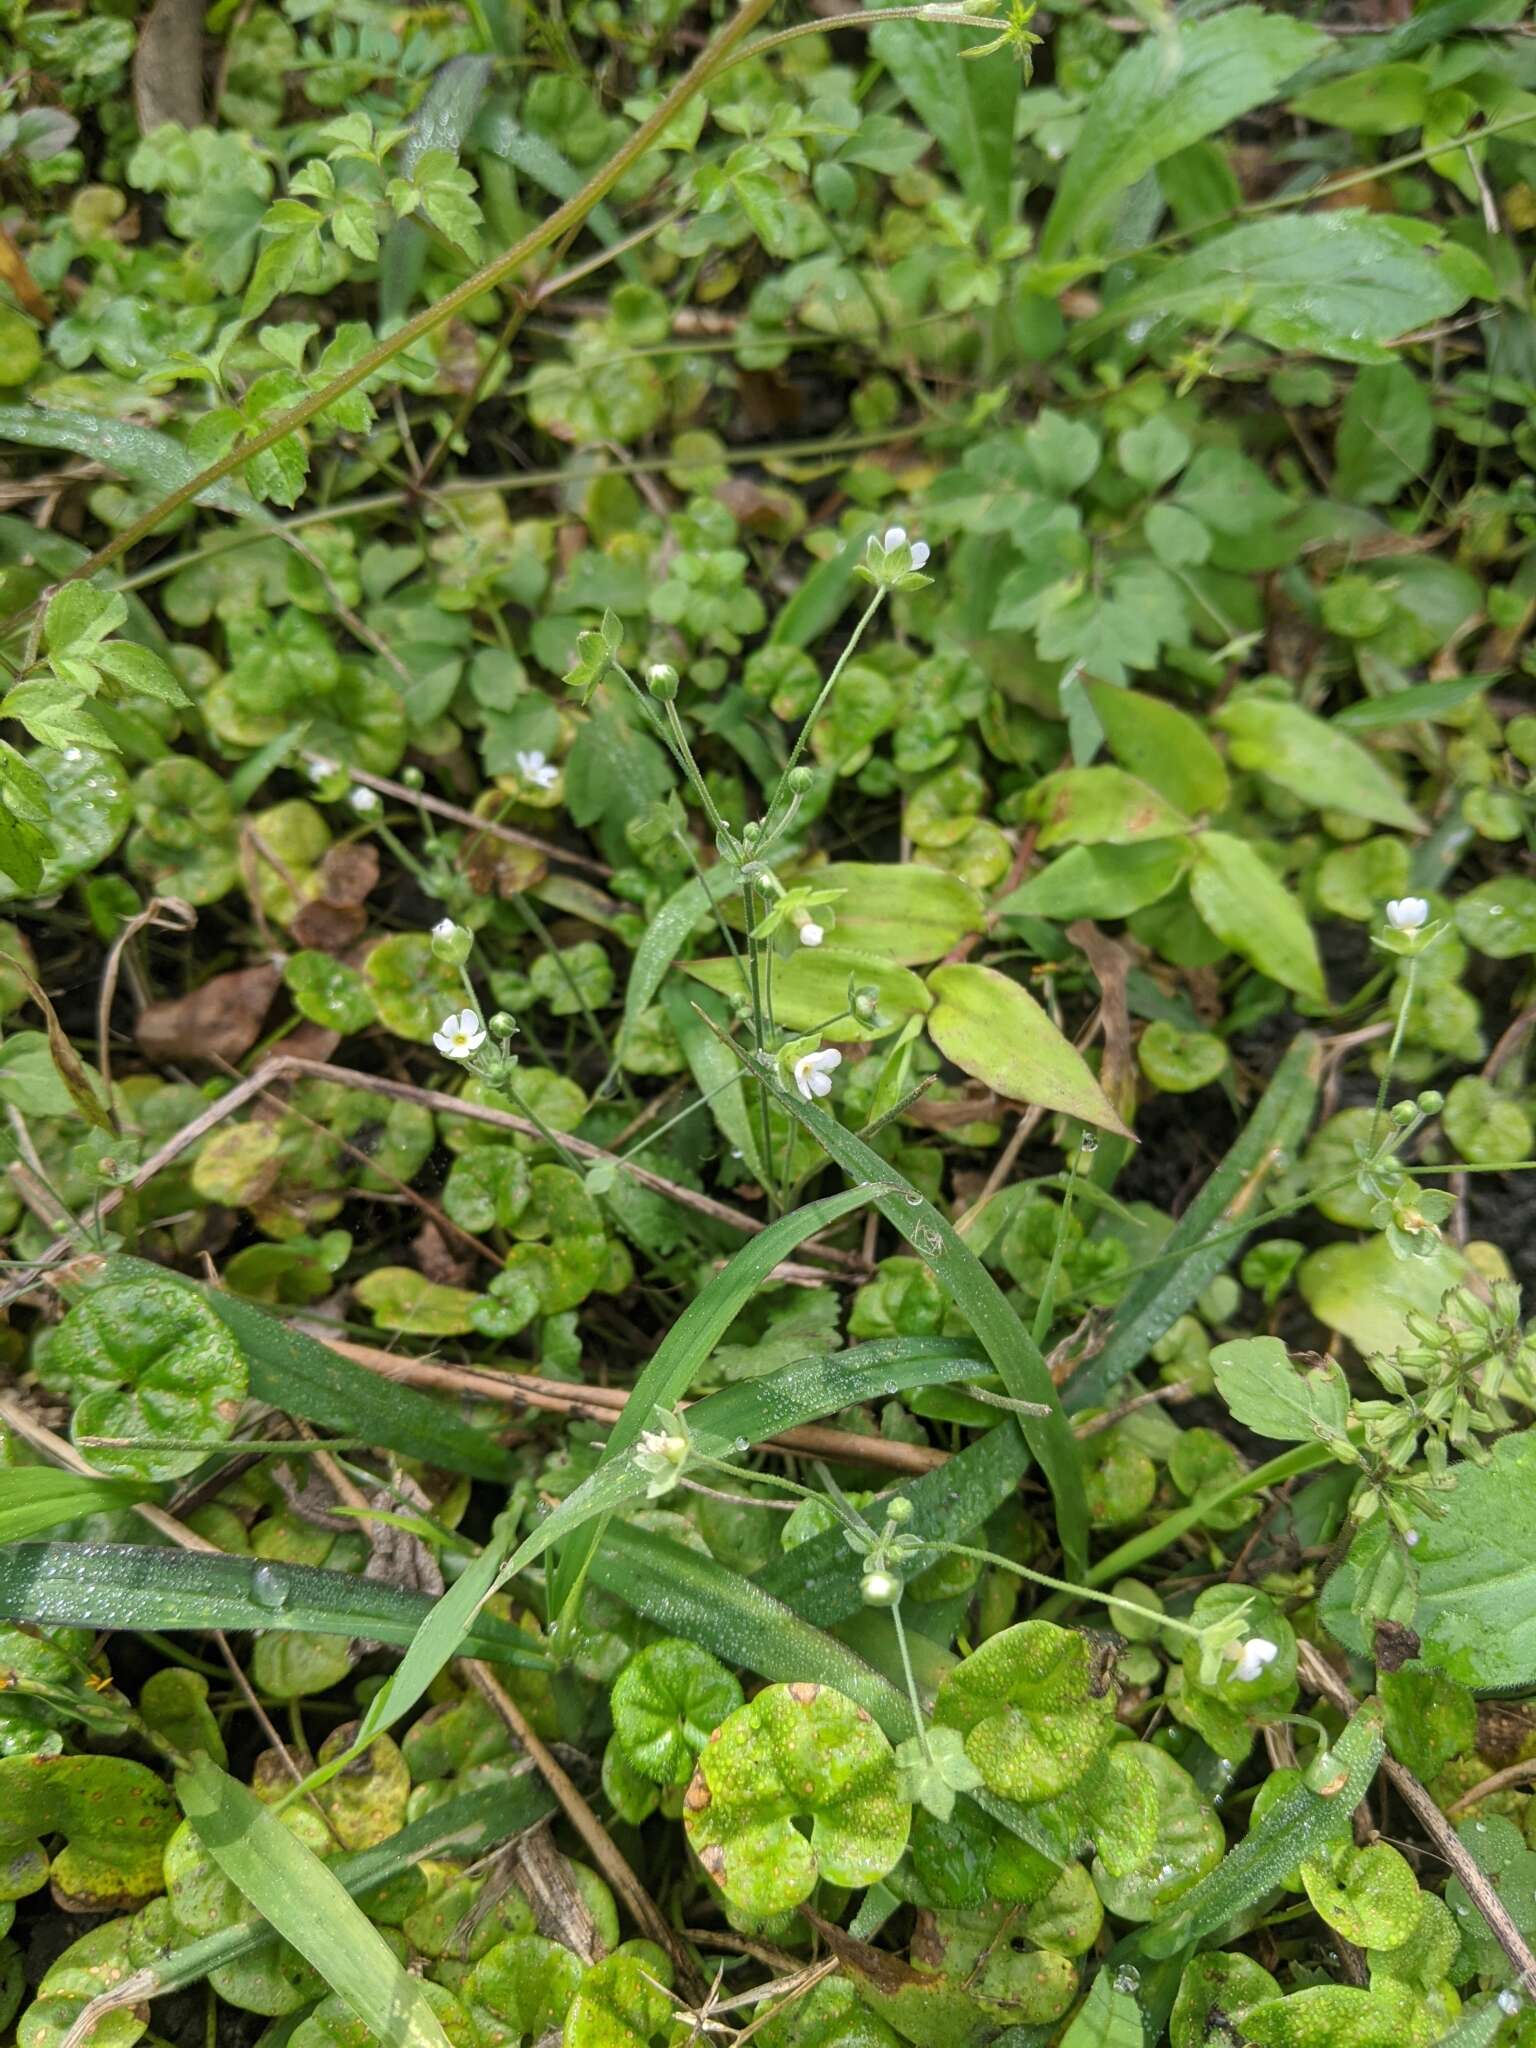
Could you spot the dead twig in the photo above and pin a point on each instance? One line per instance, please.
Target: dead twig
(643, 1909)
(1322, 1678)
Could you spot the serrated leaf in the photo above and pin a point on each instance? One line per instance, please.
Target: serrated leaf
(1265, 1392)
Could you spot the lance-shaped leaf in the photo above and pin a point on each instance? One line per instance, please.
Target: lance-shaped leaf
(994, 1029)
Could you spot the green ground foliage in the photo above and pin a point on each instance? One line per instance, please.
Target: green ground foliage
(767, 920)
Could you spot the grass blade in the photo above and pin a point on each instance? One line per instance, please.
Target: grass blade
(305, 1378)
(37, 1497)
(814, 1387)
(819, 1579)
(308, 1905)
(1007, 1343)
(668, 1376)
(1209, 1234)
(1301, 1824)
(132, 1586)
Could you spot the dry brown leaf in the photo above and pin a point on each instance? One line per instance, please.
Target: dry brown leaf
(219, 1021)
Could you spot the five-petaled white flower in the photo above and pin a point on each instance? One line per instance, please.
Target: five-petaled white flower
(459, 1035)
(1253, 1656)
(811, 933)
(535, 767)
(363, 800)
(1407, 913)
(814, 1071)
(896, 537)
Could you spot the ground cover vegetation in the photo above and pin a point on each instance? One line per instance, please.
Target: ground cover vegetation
(766, 827)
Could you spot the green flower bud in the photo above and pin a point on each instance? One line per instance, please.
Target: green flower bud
(1403, 1114)
(800, 780)
(661, 680)
(502, 1025)
(880, 1589)
(412, 777)
(1431, 1102)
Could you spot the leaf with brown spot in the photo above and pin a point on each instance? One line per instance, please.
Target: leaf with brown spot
(219, 1021)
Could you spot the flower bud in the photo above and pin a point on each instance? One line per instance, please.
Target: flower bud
(451, 942)
(1403, 1114)
(880, 1589)
(412, 777)
(898, 1510)
(502, 1024)
(1431, 1102)
(800, 780)
(661, 680)
(865, 1004)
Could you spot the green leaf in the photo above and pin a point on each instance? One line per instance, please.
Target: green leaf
(1024, 1702)
(1476, 1611)
(142, 454)
(1101, 806)
(308, 1906)
(666, 1703)
(795, 1750)
(1383, 99)
(810, 987)
(146, 1358)
(668, 1376)
(909, 913)
(994, 1029)
(1167, 91)
(1365, 1291)
(1101, 881)
(115, 1815)
(978, 1297)
(1264, 1392)
(1332, 284)
(1162, 745)
(1386, 430)
(1110, 2018)
(1249, 909)
(1327, 769)
(967, 106)
(303, 1377)
(1295, 1827)
(1209, 1234)
(37, 1498)
(668, 931)
(140, 670)
(132, 1586)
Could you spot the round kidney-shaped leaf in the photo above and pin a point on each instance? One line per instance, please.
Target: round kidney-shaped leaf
(1217, 1980)
(1189, 1842)
(795, 1750)
(147, 1359)
(667, 1702)
(622, 2002)
(115, 1816)
(1027, 1709)
(521, 1990)
(1370, 1896)
(1336, 2016)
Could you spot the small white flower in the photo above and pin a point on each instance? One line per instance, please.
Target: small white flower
(919, 553)
(880, 1589)
(320, 768)
(895, 537)
(460, 1035)
(535, 767)
(363, 801)
(1411, 1538)
(814, 1071)
(811, 934)
(1407, 913)
(444, 928)
(1253, 1656)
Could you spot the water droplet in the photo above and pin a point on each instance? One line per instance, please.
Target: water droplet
(1481, 1826)
(1508, 2001)
(1127, 1979)
(1165, 1873)
(267, 1588)
(913, 1199)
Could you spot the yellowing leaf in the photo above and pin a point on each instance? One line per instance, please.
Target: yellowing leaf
(995, 1030)
(811, 986)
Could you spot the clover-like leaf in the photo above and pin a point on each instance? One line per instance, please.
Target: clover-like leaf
(795, 1750)
(1189, 1842)
(1220, 1980)
(1369, 1895)
(148, 1358)
(979, 1952)
(830, 2015)
(1027, 1709)
(667, 1702)
(333, 2024)
(96, 1963)
(622, 2002)
(1334, 2016)
(521, 1990)
(115, 1816)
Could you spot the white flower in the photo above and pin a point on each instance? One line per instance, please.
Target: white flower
(363, 800)
(320, 768)
(460, 1035)
(444, 928)
(811, 934)
(1411, 1538)
(536, 768)
(814, 1071)
(919, 553)
(895, 537)
(1407, 913)
(1253, 1656)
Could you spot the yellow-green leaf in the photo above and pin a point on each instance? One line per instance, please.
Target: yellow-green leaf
(995, 1030)
(1250, 909)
